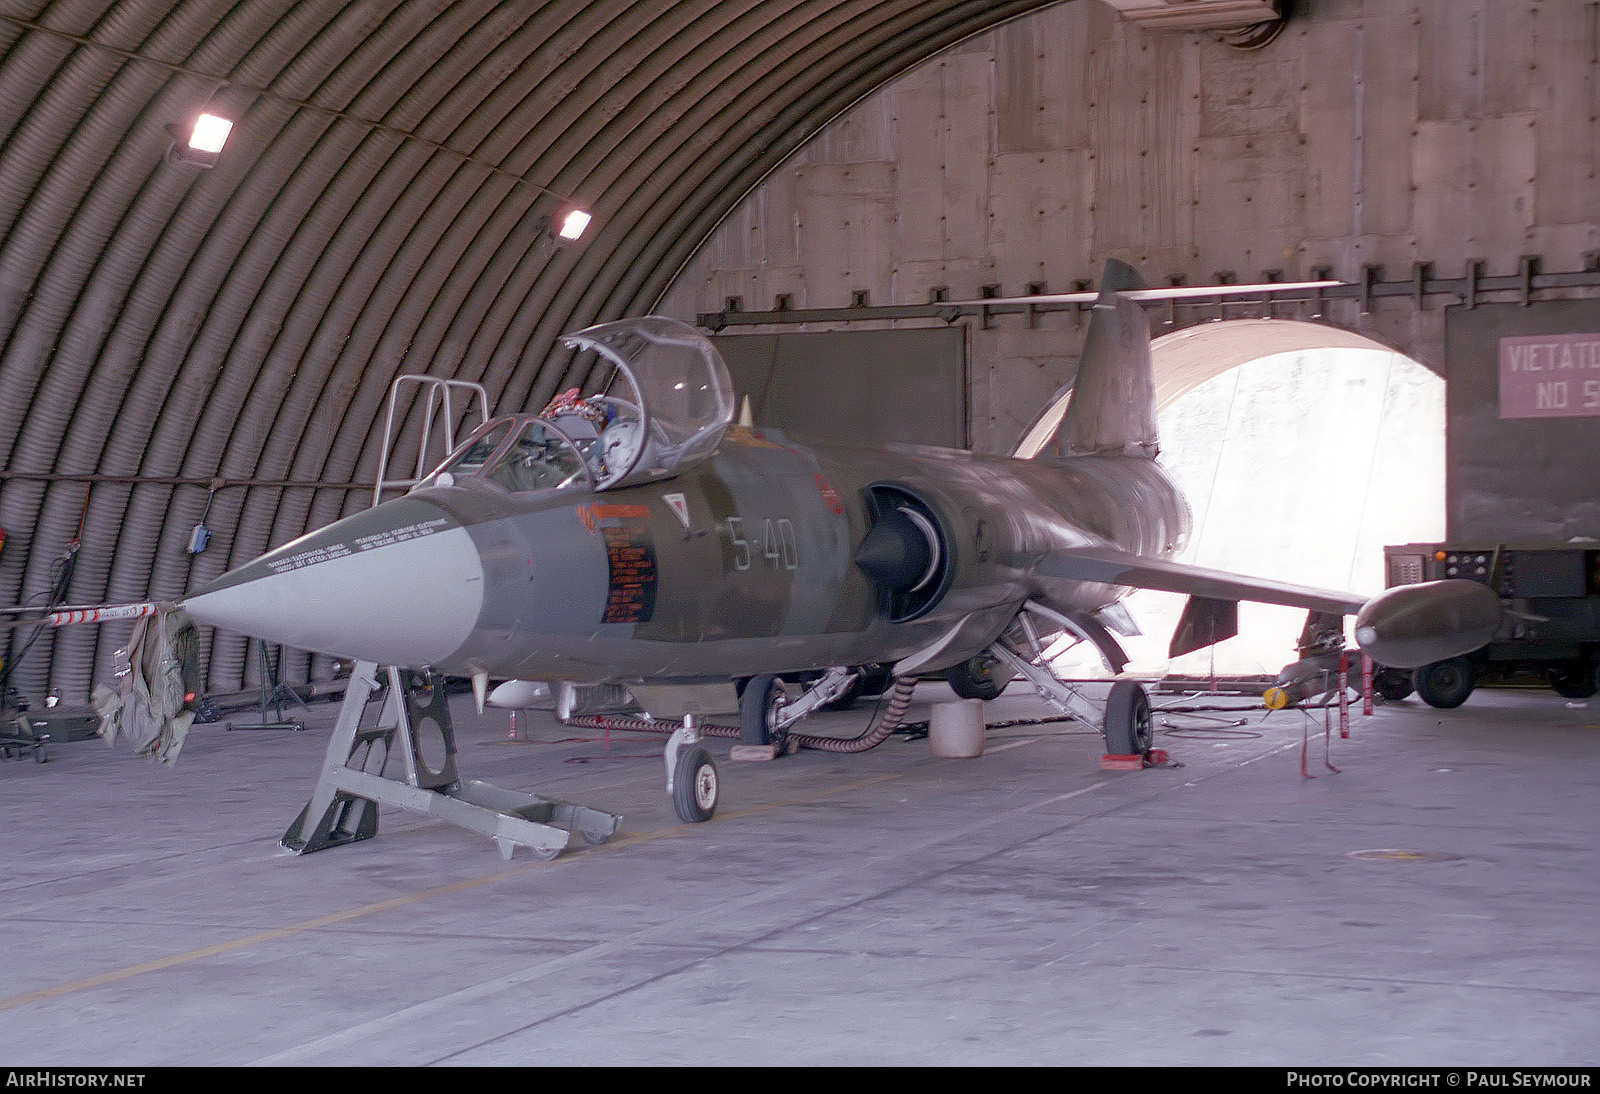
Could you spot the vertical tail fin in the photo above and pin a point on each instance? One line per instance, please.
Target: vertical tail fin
(1111, 409)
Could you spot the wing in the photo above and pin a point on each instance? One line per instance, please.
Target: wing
(1109, 566)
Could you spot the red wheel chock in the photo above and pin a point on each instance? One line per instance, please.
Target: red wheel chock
(1134, 761)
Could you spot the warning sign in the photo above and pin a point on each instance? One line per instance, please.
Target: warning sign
(1550, 376)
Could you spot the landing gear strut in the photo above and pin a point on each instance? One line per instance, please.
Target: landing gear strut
(1125, 721)
(766, 712)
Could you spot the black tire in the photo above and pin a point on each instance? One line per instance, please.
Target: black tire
(758, 709)
(694, 786)
(1444, 684)
(1392, 684)
(977, 679)
(875, 680)
(1574, 681)
(1129, 726)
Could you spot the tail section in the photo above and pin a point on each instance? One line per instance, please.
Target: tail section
(1111, 408)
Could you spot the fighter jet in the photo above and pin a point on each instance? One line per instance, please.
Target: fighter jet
(639, 536)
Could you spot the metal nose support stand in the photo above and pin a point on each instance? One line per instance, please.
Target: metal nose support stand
(414, 724)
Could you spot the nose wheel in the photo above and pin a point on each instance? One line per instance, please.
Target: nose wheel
(694, 786)
(691, 775)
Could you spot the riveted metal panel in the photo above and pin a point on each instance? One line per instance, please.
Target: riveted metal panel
(855, 387)
(1526, 479)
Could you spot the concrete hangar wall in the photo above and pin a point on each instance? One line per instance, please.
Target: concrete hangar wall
(1432, 152)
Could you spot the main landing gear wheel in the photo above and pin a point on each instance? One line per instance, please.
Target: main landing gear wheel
(1444, 684)
(875, 680)
(977, 679)
(1128, 720)
(759, 704)
(694, 786)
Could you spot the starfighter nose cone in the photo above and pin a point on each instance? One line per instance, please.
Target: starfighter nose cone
(401, 584)
(1414, 625)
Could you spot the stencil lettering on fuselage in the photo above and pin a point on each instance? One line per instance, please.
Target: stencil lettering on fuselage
(308, 558)
(389, 536)
(631, 559)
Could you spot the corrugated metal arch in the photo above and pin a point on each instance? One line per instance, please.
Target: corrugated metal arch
(380, 208)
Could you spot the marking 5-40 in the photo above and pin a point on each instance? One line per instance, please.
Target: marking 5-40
(776, 543)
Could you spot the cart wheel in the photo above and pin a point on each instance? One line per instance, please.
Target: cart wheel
(1392, 684)
(1444, 684)
(694, 786)
(595, 836)
(1575, 681)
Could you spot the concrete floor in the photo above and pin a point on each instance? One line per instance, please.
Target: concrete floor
(888, 908)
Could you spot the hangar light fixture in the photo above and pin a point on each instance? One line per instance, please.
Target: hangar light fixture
(192, 149)
(570, 224)
(210, 133)
(203, 144)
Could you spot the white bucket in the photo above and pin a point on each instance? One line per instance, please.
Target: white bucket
(955, 730)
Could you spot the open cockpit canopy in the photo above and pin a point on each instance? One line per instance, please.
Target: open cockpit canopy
(668, 403)
(665, 408)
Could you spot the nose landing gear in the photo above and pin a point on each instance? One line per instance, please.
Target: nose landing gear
(691, 775)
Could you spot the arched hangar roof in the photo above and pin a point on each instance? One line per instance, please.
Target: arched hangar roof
(380, 207)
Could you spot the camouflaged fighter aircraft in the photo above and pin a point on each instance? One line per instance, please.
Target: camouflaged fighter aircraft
(640, 537)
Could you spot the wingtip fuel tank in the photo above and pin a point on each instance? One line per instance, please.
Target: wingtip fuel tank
(1414, 625)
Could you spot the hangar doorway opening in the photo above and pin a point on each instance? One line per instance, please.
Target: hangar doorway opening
(1303, 450)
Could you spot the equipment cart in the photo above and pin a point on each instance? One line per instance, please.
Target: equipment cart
(1551, 596)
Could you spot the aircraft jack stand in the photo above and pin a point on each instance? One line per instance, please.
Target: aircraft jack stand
(414, 722)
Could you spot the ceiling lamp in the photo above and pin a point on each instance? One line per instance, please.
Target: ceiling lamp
(210, 133)
(204, 143)
(570, 224)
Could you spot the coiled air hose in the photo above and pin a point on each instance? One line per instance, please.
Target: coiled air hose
(888, 722)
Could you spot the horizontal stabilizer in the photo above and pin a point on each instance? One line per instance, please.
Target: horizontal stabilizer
(1110, 566)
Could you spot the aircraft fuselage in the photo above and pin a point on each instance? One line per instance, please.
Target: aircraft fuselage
(742, 564)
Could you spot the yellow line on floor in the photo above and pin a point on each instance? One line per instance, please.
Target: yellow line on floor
(346, 916)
